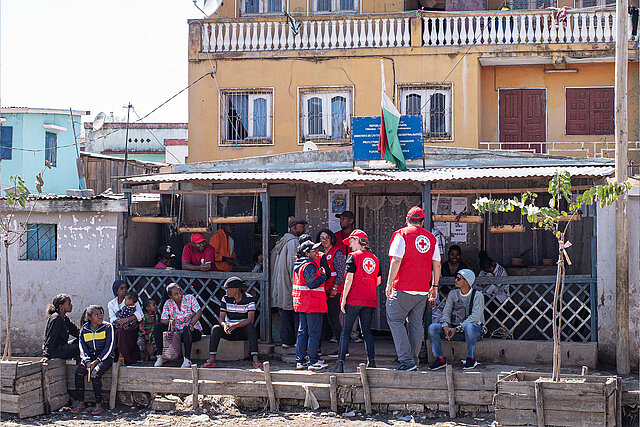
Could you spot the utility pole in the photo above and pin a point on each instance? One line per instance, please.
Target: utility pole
(622, 204)
(126, 140)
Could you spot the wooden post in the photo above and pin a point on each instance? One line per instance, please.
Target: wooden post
(265, 292)
(333, 392)
(46, 392)
(539, 403)
(114, 385)
(451, 392)
(622, 204)
(273, 403)
(194, 376)
(618, 401)
(365, 387)
(585, 370)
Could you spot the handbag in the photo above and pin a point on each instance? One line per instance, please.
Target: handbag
(171, 343)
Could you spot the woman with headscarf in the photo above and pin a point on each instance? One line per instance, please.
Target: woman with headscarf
(125, 339)
(59, 328)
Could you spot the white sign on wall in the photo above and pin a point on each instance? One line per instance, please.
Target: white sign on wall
(338, 203)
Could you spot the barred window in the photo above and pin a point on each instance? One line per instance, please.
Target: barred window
(531, 4)
(335, 6)
(39, 243)
(247, 117)
(325, 114)
(254, 7)
(51, 148)
(433, 103)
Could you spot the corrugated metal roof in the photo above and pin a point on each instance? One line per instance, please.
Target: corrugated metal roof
(359, 175)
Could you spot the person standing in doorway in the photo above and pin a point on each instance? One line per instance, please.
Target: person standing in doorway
(224, 245)
(282, 259)
(347, 224)
(414, 274)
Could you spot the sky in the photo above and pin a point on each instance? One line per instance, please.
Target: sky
(96, 55)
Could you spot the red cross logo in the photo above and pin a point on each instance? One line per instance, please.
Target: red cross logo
(369, 265)
(423, 244)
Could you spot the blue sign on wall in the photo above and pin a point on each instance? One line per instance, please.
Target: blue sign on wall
(366, 131)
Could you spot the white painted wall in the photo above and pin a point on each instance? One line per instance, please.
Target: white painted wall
(85, 268)
(108, 139)
(176, 154)
(607, 280)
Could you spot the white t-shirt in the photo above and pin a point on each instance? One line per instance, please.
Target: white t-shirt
(397, 248)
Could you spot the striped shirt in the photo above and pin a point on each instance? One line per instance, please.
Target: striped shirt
(237, 311)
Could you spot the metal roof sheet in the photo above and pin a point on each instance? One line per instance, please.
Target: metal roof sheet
(360, 175)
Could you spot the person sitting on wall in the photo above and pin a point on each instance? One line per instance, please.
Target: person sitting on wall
(223, 244)
(490, 268)
(59, 328)
(165, 257)
(258, 261)
(451, 267)
(125, 339)
(237, 314)
(198, 255)
(462, 319)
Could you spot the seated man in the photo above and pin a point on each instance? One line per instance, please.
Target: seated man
(224, 246)
(462, 319)
(198, 255)
(237, 314)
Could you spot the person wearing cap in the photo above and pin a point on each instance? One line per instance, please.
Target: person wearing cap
(462, 319)
(333, 261)
(310, 302)
(360, 295)
(224, 245)
(347, 220)
(165, 257)
(414, 273)
(237, 314)
(198, 255)
(282, 259)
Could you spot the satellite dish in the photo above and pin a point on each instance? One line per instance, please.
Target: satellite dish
(309, 146)
(209, 7)
(98, 122)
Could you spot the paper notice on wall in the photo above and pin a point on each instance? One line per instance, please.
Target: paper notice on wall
(458, 232)
(338, 203)
(458, 205)
(443, 227)
(441, 205)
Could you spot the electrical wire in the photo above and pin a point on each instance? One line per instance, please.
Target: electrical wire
(156, 138)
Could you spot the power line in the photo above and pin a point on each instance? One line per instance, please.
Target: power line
(156, 138)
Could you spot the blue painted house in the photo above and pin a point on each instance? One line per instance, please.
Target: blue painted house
(29, 136)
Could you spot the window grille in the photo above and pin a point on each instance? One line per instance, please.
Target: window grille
(433, 103)
(592, 3)
(51, 147)
(325, 114)
(246, 117)
(531, 4)
(39, 243)
(335, 5)
(6, 142)
(254, 7)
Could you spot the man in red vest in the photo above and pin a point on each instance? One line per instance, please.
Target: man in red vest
(414, 273)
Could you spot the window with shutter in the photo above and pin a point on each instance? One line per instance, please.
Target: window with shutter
(6, 142)
(589, 111)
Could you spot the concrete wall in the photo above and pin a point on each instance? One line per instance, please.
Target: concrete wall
(607, 284)
(85, 269)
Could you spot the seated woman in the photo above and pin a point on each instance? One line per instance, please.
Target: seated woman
(125, 339)
(451, 267)
(96, 355)
(237, 314)
(58, 329)
(490, 268)
(184, 312)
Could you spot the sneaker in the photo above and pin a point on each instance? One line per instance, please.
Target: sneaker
(320, 364)
(371, 364)
(470, 363)
(300, 366)
(339, 368)
(186, 363)
(406, 367)
(335, 355)
(287, 345)
(159, 362)
(356, 339)
(439, 363)
(333, 340)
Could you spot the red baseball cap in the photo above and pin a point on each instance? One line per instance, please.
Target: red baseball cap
(415, 213)
(355, 233)
(197, 237)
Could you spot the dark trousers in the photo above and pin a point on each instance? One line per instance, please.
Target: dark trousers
(96, 378)
(289, 321)
(188, 338)
(333, 314)
(353, 312)
(126, 343)
(245, 333)
(308, 339)
(65, 351)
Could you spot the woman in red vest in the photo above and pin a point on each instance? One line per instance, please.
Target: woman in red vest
(333, 261)
(360, 295)
(310, 302)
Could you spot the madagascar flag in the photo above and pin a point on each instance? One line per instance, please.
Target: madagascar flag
(388, 143)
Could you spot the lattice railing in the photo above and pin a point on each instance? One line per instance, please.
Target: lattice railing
(526, 313)
(206, 286)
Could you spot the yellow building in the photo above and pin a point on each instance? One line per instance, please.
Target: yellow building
(516, 80)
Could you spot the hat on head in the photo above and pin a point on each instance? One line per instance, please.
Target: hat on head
(165, 252)
(355, 233)
(197, 238)
(347, 214)
(233, 282)
(317, 246)
(305, 247)
(295, 221)
(116, 285)
(468, 275)
(304, 238)
(415, 213)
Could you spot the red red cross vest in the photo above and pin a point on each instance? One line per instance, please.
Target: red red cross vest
(363, 290)
(415, 270)
(333, 275)
(307, 300)
(340, 236)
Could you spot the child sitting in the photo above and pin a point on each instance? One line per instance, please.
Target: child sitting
(129, 309)
(151, 317)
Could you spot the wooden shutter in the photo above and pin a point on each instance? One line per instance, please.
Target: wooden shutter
(602, 101)
(577, 111)
(589, 111)
(523, 115)
(510, 115)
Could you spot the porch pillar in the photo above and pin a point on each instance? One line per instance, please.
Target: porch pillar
(265, 312)
(426, 204)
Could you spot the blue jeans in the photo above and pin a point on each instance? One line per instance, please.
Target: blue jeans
(288, 326)
(349, 318)
(472, 334)
(309, 334)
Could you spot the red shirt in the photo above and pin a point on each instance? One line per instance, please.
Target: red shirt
(340, 236)
(415, 270)
(195, 258)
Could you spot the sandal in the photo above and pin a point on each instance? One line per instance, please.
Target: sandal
(209, 365)
(257, 365)
(78, 409)
(97, 411)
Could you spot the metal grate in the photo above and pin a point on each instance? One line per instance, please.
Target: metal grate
(433, 103)
(246, 117)
(38, 243)
(325, 114)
